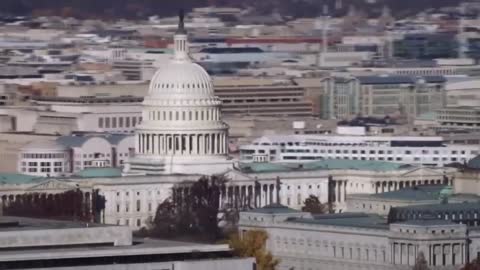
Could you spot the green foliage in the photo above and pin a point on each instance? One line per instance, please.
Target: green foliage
(313, 205)
(69, 205)
(252, 244)
(192, 212)
(421, 263)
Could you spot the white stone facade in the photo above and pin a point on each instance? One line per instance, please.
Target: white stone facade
(430, 151)
(182, 129)
(359, 241)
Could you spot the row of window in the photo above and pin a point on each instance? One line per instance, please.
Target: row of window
(138, 207)
(118, 122)
(373, 152)
(43, 170)
(43, 164)
(419, 159)
(335, 251)
(203, 115)
(43, 156)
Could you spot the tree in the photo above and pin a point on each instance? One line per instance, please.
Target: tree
(313, 205)
(420, 262)
(253, 244)
(73, 205)
(473, 265)
(192, 212)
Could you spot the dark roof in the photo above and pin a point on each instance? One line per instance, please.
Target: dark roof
(232, 50)
(399, 79)
(417, 193)
(274, 208)
(358, 220)
(474, 163)
(441, 207)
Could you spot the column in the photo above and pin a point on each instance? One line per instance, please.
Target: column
(188, 149)
(339, 191)
(194, 144)
(180, 143)
(267, 194)
(140, 143)
(448, 254)
(153, 145)
(137, 142)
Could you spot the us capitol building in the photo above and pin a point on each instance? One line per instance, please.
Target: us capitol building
(182, 137)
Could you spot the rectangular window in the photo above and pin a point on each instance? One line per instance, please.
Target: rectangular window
(107, 122)
(127, 208)
(114, 122)
(32, 164)
(127, 122)
(120, 122)
(138, 205)
(118, 208)
(100, 122)
(134, 121)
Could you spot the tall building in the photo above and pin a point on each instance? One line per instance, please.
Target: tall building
(382, 95)
(182, 129)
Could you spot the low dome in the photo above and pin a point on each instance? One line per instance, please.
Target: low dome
(44, 145)
(181, 78)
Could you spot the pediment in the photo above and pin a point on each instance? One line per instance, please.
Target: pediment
(52, 185)
(235, 175)
(423, 171)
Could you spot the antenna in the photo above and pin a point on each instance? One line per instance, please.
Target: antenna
(460, 35)
(325, 29)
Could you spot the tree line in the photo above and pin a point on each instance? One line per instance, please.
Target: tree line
(72, 205)
(141, 8)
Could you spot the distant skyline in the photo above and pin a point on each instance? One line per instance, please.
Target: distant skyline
(144, 8)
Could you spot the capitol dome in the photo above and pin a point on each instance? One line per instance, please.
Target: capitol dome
(181, 131)
(180, 78)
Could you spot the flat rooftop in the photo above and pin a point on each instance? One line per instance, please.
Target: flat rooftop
(353, 220)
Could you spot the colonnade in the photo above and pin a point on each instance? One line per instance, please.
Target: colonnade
(386, 186)
(338, 191)
(436, 254)
(182, 144)
(240, 196)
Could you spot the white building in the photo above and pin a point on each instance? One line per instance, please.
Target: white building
(72, 154)
(44, 158)
(360, 241)
(182, 129)
(429, 151)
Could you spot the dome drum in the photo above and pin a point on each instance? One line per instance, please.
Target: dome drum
(182, 131)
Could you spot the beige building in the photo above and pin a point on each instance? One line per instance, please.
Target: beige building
(11, 145)
(459, 117)
(262, 97)
(379, 96)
